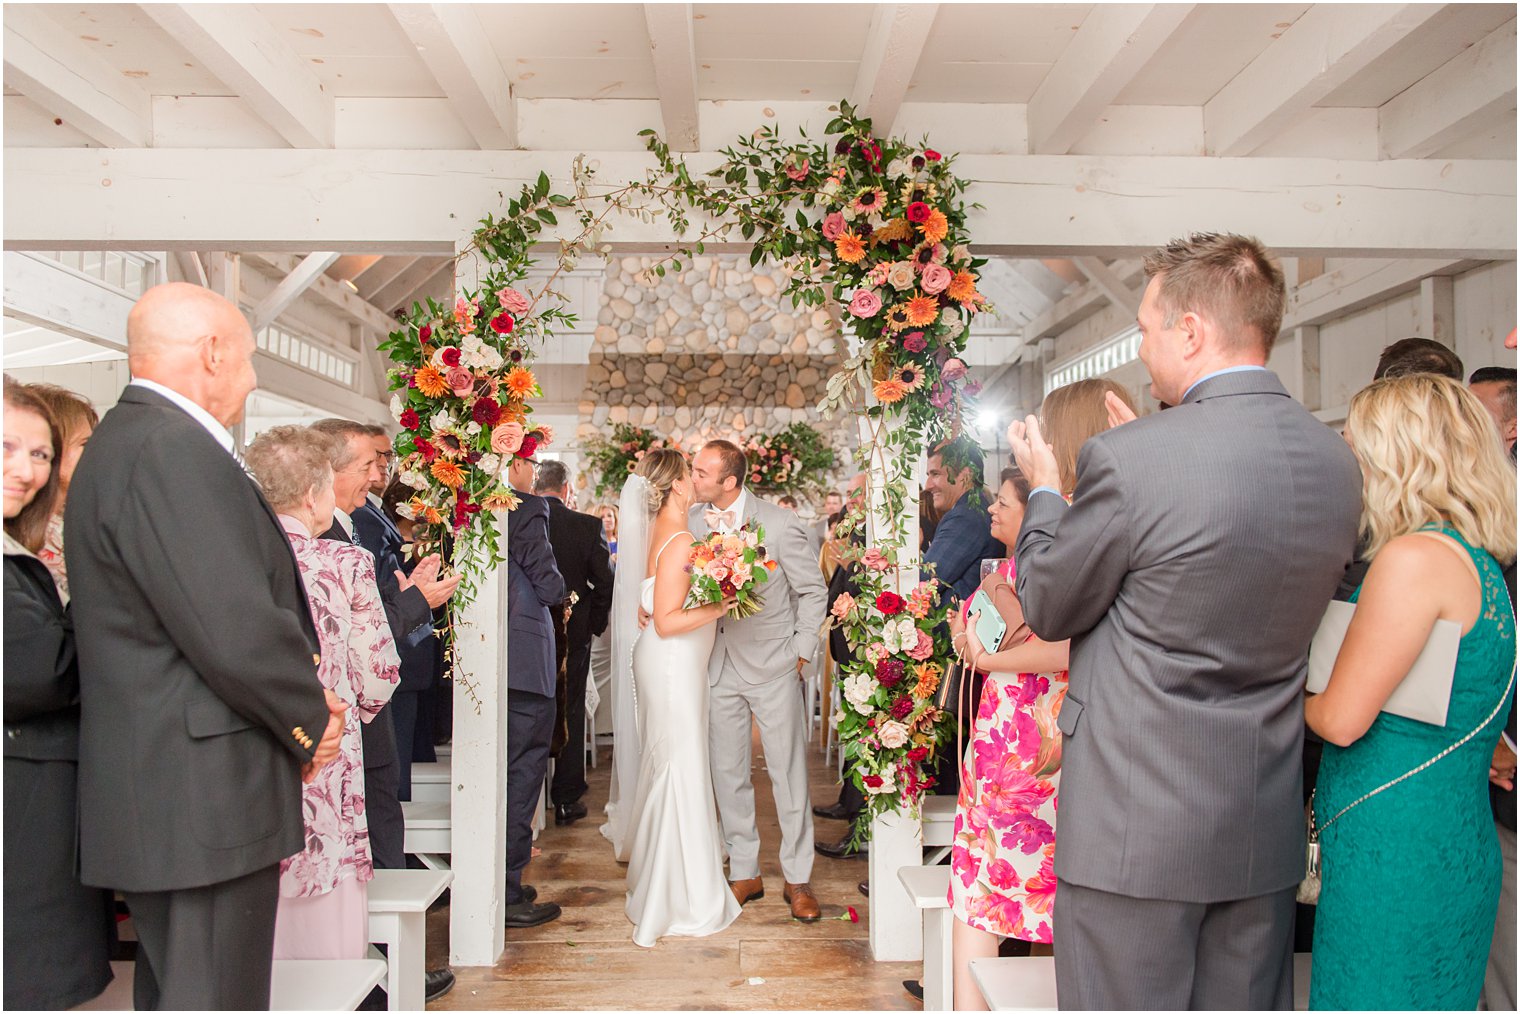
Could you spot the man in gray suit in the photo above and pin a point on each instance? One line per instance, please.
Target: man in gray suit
(755, 666)
(1190, 573)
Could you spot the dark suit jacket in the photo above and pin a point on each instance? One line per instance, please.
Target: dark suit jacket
(1190, 573)
(197, 658)
(407, 612)
(580, 554)
(962, 540)
(533, 585)
(41, 666)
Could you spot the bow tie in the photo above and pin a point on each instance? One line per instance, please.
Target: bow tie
(719, 519)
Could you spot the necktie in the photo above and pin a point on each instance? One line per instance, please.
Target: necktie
(719, 520)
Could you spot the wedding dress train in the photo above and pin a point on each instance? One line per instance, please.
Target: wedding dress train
(676, 885)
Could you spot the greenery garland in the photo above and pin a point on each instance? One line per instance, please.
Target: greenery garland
(795, 460)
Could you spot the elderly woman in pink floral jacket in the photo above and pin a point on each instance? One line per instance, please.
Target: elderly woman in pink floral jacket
(323, 893)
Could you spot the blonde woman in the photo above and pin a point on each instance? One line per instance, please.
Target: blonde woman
(1411, 875)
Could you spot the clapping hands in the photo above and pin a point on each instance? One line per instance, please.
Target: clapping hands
(1035, 457)
(425, 576)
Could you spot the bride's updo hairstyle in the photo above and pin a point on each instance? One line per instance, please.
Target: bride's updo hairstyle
(661, 468)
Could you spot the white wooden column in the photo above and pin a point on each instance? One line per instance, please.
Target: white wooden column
(896, 925)
(478, 785)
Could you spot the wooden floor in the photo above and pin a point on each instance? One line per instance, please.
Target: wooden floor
(764, 961)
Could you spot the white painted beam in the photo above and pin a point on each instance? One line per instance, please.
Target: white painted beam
(191, 268)
(1325, 48)
(1114, 43)
(237, 44)
(277, 376)
(1032, 205)
(1359, 285)
(450, 40)
(1110, 284)
(1072, 309)
(672, 40)
(224, 275)
(894, 43)
(43, 292)
(1455, 100)
(47, 64)
(398, 294)
(382, 274)
(334, 294)
(1438, 310)
(290, 288)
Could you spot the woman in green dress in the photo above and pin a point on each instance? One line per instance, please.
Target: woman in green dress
(1410, 876)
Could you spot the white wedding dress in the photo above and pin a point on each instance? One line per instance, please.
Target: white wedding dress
(676, 885)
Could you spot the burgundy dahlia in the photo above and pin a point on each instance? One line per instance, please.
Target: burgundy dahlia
(902, 707)
(890, 671)
(486, 412)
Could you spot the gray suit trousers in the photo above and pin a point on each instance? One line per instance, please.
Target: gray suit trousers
(777, 707)
(1119, 953)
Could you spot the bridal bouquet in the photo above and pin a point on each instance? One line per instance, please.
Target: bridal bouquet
(731, 565)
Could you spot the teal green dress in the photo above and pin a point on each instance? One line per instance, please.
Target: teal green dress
(1410, 878)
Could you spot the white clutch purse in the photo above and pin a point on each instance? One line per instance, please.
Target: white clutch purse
(1423, 695)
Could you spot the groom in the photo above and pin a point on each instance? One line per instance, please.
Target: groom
(755, 665)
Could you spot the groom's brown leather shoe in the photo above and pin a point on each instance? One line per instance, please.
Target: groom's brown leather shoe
(746, 891)
(804, 904)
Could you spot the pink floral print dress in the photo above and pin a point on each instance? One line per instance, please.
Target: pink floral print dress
(1002, 878)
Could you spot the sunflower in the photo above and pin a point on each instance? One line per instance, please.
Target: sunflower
(936, 226)
(911, 376)
(962, 288)
(922, 310)
(448, 473)
(450, 444)
(870, 199)
(520, 382)
(897, 317)
(431, 383)
(889, 391)
(849, 248)
(893, 231)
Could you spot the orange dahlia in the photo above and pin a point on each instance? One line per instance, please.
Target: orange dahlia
(431, 382)
(893, 231)
(502, 499)
(890, 391)
(963, 288)
(928, 680)
(520, 382)
(936, 227)
(849, 248)
(922, 310)
(448, 473)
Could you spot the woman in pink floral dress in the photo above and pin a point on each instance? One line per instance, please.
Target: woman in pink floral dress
(323, 895)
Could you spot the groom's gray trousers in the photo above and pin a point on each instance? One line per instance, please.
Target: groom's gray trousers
(777, 707)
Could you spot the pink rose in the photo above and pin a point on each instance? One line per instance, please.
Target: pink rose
(893, 735)
(936, 279)
(865, 304)
(842, 605)
(874, 559)
(915, 341)
(797, 171)
(923, 649)
(718, 572)
(515, 302)
(876, 652)
(954, 369)
(507, 438)
(461, 380)
(833, 226)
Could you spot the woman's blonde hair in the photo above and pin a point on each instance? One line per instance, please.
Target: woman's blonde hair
(610, 508)
(661, 468)
(1072, 414)
(1430, 454)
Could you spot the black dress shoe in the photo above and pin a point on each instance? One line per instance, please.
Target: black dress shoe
(915, 989)
(864, 887)
(436, 984)
(568, 813)
(834, 812)
(526, 914)
(842, 849)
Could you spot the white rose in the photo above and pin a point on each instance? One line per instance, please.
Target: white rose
(888, 784)
(892, 734)
(899, 635)
(489, 463)
(396, 406)
(405, 510)
(901, 276)
(471, 343)
(830, 187)
(472, 428)
(414, 479)
(490, 358)
(898, 168)
(849, 213)
(440, 420)
(858, 690)
(959, 254)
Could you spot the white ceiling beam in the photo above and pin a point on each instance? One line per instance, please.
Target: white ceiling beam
(335, 294)
(672, 40)
(290, 288)
(450, 40)
(1325, 48)
(398, 293)
(894, 42)
(1114, 43)
(1078, 306)
(49, 65)
(1031, 205)
(191, 268)
(1362, 284)
(1110, 284)
(237, 44)
(382, 274)
(1452, 102)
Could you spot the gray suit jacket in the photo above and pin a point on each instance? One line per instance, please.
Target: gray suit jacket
(1190, 572)
(766, 646)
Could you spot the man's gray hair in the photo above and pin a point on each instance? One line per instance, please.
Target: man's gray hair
(343, 432)
(552, 477)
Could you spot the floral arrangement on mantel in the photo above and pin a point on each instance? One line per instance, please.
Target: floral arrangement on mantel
(794, 460)
(612, 458)
(879, 226)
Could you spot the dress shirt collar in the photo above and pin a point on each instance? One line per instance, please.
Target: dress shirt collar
(341, 517)
(216, 429)
(736, 508)
(375, 502)
(1219, 373)
(292, 525)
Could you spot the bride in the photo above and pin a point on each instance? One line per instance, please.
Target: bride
(668, 830)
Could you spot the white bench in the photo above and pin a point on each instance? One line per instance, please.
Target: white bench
(428, 833)
(323, 985)
(430, 781)
(929, 888)
(398, 904)
(1030, 983)
(938, 816)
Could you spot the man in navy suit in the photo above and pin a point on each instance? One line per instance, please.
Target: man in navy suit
(534, 585)
(963, 537)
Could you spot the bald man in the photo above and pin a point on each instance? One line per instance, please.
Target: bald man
(200, 706)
